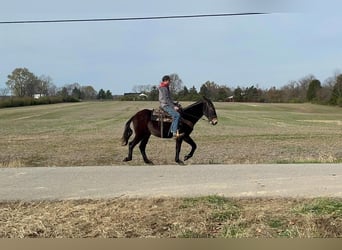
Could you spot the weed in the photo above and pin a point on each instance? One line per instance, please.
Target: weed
(193, 201)
(288, 233)
(234, 231)
(216, 200)
(192, 234)
(275, 223)
(223, 215)
(322, 206)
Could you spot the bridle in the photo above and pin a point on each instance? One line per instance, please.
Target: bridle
(206, 111)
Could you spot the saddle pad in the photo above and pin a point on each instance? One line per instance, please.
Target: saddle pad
(160, 115)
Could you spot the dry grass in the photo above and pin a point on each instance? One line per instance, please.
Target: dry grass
(205, 217)
(89, 134)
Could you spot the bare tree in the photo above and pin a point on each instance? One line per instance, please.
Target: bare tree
(89, 92)
(176, 83)
(4, 91)
(45, 85)
(142, 88)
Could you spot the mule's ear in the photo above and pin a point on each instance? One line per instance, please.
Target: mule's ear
(206, 98)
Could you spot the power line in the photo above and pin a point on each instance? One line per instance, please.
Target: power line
(130, 18)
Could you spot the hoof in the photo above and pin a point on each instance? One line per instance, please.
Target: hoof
(179, 162)
(127, 159)
(149, 162)
(187, 157)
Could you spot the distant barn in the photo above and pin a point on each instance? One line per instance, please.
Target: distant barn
(136, 96)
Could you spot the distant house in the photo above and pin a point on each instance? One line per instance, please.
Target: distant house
(37, 96)
(136, 96)
(142, 95)
(230, 98)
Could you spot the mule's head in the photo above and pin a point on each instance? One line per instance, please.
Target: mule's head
(209, 111)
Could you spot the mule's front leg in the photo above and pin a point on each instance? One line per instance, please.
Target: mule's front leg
(193, 145)
(178, 149)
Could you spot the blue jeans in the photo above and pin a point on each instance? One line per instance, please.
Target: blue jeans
(175, 118)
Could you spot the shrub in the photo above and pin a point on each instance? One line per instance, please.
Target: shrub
(28, 101)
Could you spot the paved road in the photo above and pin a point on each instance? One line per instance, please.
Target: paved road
(50, 183)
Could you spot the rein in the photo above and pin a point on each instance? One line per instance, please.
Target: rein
(193, 116)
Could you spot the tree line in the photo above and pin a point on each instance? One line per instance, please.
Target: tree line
(306, 89)
(24, 84)
(29, 89)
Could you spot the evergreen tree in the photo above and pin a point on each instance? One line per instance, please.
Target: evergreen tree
(336, 97)
(101, 95)
(76, 93)
(314, 87)
(109, 95)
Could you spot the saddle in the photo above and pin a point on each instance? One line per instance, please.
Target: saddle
(160, 115)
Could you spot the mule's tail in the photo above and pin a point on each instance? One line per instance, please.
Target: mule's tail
(127, 132)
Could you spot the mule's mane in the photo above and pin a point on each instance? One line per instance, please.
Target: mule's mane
(199, 108)
(192, 105)
(194, 111)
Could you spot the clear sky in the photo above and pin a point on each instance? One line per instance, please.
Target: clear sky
(299, 38)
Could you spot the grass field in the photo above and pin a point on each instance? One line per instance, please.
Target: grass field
(89, 133)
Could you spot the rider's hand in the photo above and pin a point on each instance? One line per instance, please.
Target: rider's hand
(176, 108)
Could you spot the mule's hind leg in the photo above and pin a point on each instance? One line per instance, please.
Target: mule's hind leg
(142, 148)
(193, 145)
(131, 146)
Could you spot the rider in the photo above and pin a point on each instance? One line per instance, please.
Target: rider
(167, 104)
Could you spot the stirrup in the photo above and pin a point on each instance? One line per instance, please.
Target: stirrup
(178, 135)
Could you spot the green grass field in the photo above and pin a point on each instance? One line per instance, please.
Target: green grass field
(88, 133)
